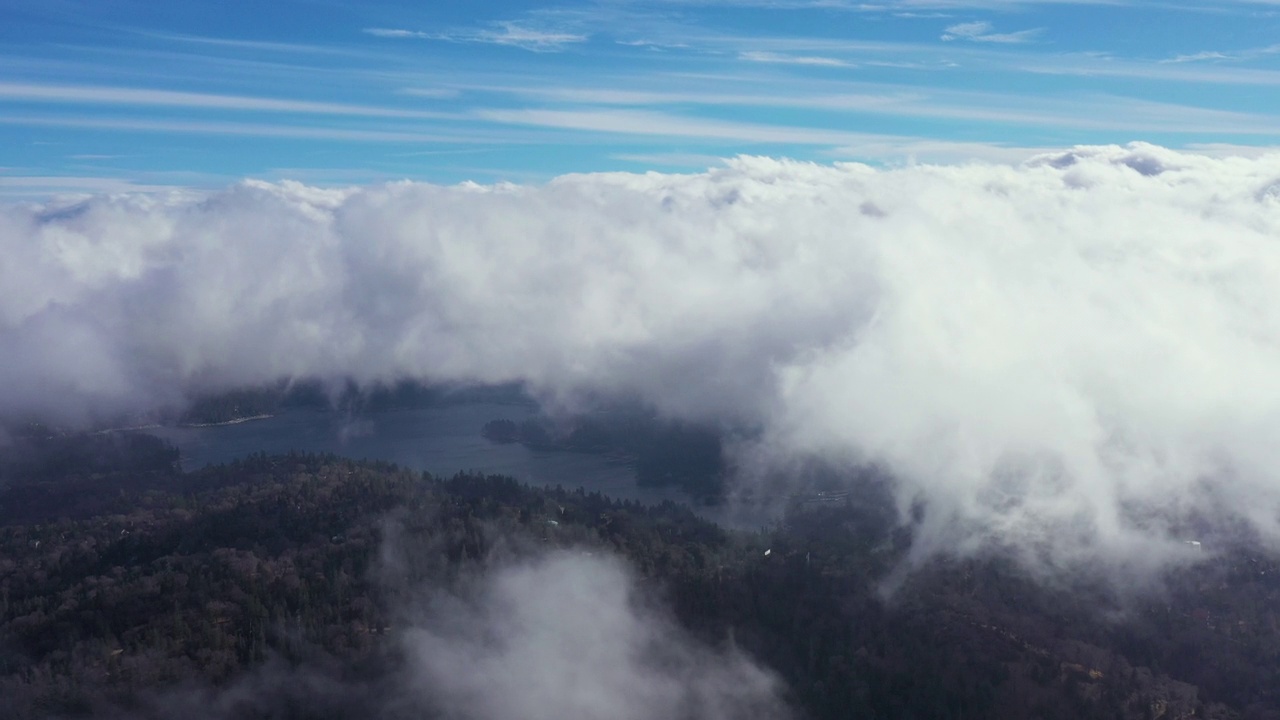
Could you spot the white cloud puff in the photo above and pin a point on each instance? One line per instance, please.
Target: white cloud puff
(567, 637)
(1033, 349)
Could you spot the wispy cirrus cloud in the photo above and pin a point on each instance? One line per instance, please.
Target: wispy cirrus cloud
(1213, 55)
(203, 127)
(509, 33)
(908, 8)
(1197, 57)
(782, 59)
(1086, 65)
(1089, 112)
(671, 159)
(251, 45)
(642, 123)
(439, 93)
(982, 31)
(40, 186)
(914, 149)
(108, 95)
(645, 123)
(653, 44)
(400, 33)
(914, 6)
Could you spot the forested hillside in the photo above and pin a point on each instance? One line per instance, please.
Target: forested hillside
(280, 587)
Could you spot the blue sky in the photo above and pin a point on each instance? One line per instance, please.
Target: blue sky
(138, 94)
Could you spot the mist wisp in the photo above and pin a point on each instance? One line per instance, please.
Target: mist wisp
(568, 635)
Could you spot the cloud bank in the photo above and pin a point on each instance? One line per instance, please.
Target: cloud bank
(1059, 353)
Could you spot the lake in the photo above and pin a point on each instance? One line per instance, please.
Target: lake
(440, 439)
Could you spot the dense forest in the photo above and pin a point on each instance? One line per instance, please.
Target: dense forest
(276, 587)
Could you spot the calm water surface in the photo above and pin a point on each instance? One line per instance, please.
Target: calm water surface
(441, 440)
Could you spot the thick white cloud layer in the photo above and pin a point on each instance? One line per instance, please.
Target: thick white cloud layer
(1036, 350)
